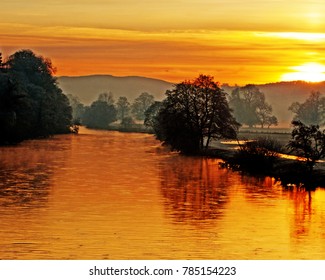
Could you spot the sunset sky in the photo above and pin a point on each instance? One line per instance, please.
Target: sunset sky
(236, 41)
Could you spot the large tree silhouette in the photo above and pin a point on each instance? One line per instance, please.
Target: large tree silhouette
(192, 114)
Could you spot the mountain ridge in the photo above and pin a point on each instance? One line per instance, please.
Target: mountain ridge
(87, 88)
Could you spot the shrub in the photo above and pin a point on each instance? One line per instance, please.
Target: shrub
(258, 155)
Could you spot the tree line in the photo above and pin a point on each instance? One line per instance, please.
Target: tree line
(250, 108)
(104, 111)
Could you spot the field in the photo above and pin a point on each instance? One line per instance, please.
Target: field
(282, 135)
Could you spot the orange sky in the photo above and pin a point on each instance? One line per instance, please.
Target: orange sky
(252, 41)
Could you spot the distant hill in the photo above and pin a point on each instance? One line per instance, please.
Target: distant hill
(87, 88)
(282, 94)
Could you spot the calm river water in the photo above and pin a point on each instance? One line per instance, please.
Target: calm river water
(109, 195)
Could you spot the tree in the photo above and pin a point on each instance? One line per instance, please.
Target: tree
(307, 142)
(10, 98)
(141, 104)
(271, 120)
(99, 114)
(192, 114)
(263, 113)
(312, 111)
(78, 109)
(127, 123)
(250, 107)
(106, 97)
(151, 114)
(32, 103)
(123, 108)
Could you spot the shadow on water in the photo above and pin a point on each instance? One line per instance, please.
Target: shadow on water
(307, 201)
(193, 191)
(197, 191)
(308, 213)
(261, 188)
(290, 172)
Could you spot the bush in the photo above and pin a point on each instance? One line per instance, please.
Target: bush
(258, 155)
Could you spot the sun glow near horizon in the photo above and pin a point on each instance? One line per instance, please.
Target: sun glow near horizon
(309, 72)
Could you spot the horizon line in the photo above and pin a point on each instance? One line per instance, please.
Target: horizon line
(166, 81)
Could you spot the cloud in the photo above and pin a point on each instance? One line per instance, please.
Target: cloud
(233, 55)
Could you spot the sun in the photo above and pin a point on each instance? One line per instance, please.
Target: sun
(309, 72)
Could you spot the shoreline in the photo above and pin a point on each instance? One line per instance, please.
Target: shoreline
(288, 171)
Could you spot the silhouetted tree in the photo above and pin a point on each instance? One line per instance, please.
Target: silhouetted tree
(151, 114)
(194, 112)
(32, 105)
(250, 107)
(307, 142)
(99, 114)
(141, 104)
(312, 111)
(123, 108)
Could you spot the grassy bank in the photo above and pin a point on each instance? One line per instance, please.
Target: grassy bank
(288, 171)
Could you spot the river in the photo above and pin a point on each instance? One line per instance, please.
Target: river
(109, 195)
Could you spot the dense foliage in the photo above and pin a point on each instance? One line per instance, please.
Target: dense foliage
(192, 114)
(151, 114)
(31, 103)
(100, 113)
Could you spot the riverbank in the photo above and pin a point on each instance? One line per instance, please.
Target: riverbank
(288, 171)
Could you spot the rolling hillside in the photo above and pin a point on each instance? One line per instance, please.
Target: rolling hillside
(87, 88)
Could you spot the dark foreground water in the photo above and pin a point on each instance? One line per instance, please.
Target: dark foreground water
(108, 195)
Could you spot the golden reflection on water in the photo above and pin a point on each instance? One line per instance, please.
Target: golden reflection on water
(109, 195)
(194, 192)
